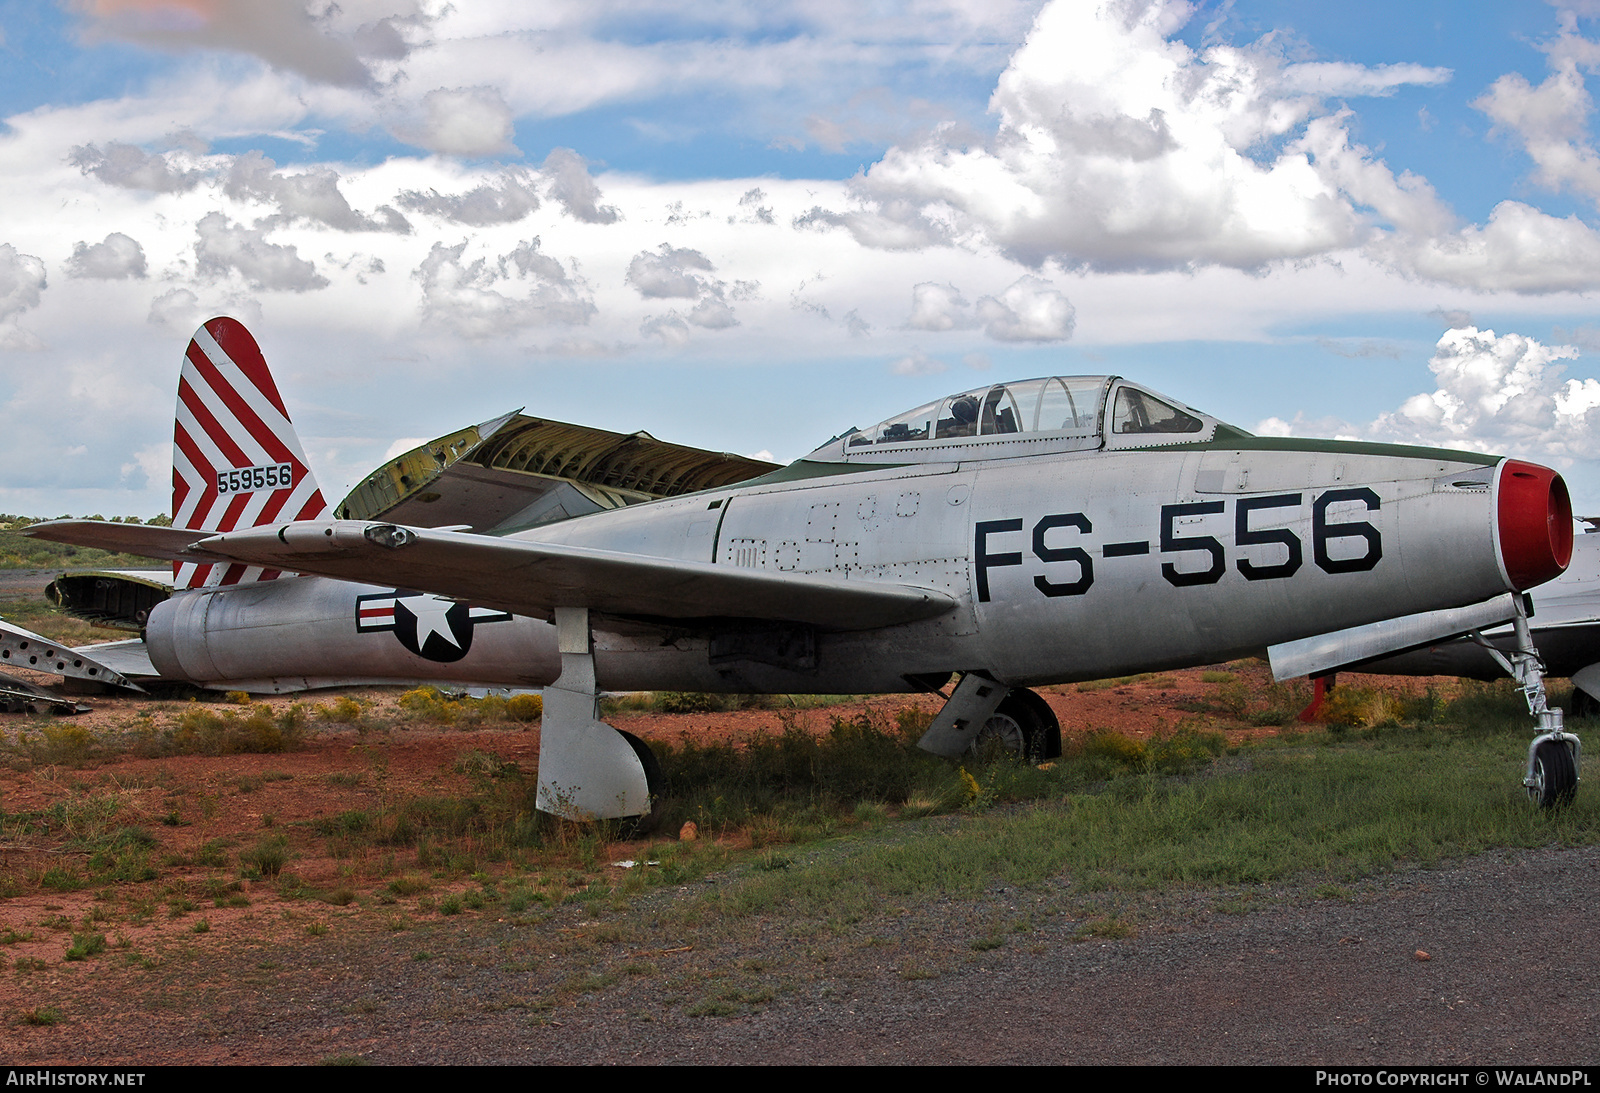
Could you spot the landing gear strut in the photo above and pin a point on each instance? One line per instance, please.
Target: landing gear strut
(1555, 755)
(587, 769)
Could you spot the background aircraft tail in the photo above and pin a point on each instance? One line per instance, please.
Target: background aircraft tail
(236, 461)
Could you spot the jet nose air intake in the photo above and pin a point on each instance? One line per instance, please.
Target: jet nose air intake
(1535, 516)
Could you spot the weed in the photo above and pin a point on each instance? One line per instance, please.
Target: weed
(344, 711)
(268, 857)
(42, 1016)
(62, 878)
(712, 1007)
(86, 945)
(204, 732)
(410, 885)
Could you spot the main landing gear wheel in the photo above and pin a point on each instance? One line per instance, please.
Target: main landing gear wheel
(1555, 776)
(634, 827)
(1022, 725)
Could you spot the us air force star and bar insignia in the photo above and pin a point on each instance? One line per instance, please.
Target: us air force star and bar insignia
(429, 626)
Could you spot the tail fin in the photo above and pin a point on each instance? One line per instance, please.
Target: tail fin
(236, 461)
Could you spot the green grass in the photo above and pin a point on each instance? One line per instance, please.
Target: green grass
(42, 1016)
(1338, 807)
(86, 945)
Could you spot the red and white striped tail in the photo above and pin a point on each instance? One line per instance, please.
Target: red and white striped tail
(236, 461)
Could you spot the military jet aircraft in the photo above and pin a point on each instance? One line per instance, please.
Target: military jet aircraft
(1019, 534)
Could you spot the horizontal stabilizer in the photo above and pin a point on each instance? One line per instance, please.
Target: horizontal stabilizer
(168, 544)
(533, 578)
(130, 657)
(1324, 652)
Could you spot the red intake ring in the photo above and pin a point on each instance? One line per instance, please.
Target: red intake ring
(1535, 523)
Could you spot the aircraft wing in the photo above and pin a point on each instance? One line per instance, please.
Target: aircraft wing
(532, 578)
(146, 539)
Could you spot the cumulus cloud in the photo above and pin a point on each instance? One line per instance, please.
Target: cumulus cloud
(670, 329)
(462, 121)
(468, 299)
(1551, 120)
(1502, 393)
(672, 273)
(312, 195)
(938, 307)
(502, 201)
(177, 308)
(224, 248)
(116, 258)
(713, 313)
(1031, 310)
(680, 273)
(883, 222)
(1520, 249)
(571, 187)
(282, 33)
(752, 211)
(22, 283)
(133, 168)
(1118, 147)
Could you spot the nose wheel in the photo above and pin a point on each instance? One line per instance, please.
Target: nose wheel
(1555, 755)
(1553, 781)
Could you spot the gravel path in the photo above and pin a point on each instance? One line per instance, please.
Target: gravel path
(1512, 977)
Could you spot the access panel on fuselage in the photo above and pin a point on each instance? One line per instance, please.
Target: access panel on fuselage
(902, 526)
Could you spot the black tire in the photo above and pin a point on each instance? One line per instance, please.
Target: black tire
(634, 827)
(1584, 703)
(1555, 775)
(1022, 725)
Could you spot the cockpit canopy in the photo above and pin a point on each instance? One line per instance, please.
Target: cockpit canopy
(1026, 417)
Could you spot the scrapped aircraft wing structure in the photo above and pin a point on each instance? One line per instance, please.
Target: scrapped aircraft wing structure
(118, 599)
(21, 648)
(519, 471)
(534, 578)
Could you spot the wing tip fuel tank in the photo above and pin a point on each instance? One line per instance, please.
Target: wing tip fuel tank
(1534, 513)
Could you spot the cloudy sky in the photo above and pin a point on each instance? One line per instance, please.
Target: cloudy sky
(751, 226)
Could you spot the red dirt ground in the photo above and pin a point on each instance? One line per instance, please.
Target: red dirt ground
(188, 801)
